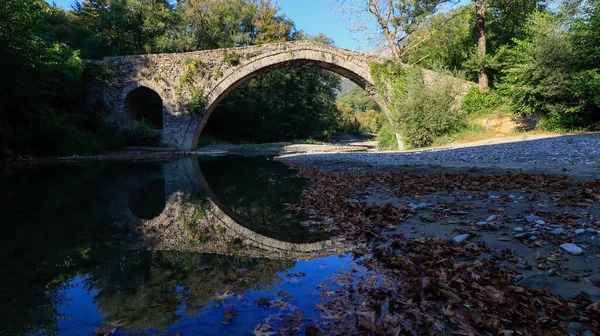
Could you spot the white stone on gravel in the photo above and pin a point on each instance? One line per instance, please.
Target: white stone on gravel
(572, 249)
(418, 206)
(461, 238)
(518, 229)
(579, 231)
(491, 218)
(482, 224)
(590, 230)
(539, 222)
(557, 231)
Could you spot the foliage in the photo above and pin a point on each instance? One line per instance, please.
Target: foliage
(475, 103)
(370, 121)
(197, 103)
(43, 99)
(420, 113)
(386, 138)
(279, 105)
(347, 120)
(359, 100)
(537, 74)
(232, 58)
(143, 134)
(397, 21)
(425, 112)
(545, 76)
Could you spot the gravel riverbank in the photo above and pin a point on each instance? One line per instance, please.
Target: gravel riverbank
(573, 154)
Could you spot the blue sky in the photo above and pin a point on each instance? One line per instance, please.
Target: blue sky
(312, 16)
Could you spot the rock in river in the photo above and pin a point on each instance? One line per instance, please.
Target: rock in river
(572, 249)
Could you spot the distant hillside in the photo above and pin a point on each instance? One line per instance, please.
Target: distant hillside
(347, 85)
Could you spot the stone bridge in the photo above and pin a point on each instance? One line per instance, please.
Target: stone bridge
(193, 223)
(188, 86)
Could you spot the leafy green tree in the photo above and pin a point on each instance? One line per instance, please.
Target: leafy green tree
(537, 74)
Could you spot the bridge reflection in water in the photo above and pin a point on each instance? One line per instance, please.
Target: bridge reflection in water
(194, 219)
(152, 246)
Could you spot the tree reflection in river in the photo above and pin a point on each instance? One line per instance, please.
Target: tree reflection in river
(66, 222)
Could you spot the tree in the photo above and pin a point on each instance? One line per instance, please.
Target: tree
(537, 72)
(397, 21)
(512, 11)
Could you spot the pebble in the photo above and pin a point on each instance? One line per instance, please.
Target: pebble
(418, 206)
(572, 249)
(518, 229)
(523, 235)
(539, 222)
(532, 238)
(590, 230)
(557, 231)
(551, 272)
(519, 277)
(579, 231)
(461, 238)
(482, 224)
(531, 219)
(597, 223)
(491, 218)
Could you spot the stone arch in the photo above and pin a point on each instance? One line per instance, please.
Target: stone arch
(143, 102)
(148, 201)
(183, 178)
(326, 57)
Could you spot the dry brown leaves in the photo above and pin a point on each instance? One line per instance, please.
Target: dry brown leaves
(430, 285)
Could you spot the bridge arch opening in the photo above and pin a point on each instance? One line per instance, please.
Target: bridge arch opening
(148, 201)
(359, 75)
(145, 104)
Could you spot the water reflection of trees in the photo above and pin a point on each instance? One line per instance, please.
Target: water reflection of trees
(54, 217)
(257, 191)
(68, 221)
(146, 290)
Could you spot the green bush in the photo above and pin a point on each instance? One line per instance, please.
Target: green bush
(198, 102)
(475, 103)
(426, 112)
(143, 134)
(233, 58)
(386, 139)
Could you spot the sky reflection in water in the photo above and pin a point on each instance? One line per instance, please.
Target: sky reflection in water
(151, 247)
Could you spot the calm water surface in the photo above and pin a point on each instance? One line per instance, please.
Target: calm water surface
(186, 246)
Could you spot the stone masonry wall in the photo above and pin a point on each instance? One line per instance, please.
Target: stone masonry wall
(211, 74)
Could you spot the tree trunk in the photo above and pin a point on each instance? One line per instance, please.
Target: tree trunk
(480, 9)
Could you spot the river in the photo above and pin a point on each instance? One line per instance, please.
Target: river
(188, 246)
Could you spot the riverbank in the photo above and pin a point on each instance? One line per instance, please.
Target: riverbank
(573, 154)
(485, 238)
